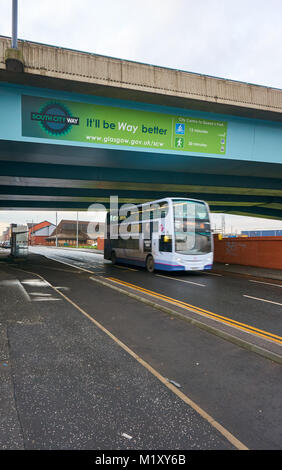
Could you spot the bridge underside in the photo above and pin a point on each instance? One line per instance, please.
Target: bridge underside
(59, 177)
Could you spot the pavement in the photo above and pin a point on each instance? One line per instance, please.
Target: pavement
(253, 271)
(83, 367)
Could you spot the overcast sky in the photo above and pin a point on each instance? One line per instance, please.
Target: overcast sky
(233, 223)
(239, 40)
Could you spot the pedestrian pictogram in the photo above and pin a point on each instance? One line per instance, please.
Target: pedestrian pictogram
(179, 142)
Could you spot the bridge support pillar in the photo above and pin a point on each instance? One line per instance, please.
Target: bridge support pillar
(14, 60)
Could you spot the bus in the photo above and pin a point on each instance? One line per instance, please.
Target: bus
(170, 234)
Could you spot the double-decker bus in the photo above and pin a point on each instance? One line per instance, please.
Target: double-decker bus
(171, 234)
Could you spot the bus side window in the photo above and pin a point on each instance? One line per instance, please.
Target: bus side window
(159, 210)
(145, 213)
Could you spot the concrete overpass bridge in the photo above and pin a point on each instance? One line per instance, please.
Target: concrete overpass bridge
(76, 128)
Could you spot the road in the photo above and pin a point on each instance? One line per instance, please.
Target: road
(240, 389)
(255, 303)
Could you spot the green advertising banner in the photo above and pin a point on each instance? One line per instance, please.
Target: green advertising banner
(109, 125)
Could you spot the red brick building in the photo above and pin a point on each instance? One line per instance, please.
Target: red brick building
(39, 232)
(68, 232)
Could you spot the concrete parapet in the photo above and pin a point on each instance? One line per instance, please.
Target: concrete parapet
(71, 65)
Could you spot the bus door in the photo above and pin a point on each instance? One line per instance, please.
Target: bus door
(150, 237)
(147, 230)
(164, 237)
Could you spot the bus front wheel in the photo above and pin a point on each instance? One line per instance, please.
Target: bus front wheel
(150, 265)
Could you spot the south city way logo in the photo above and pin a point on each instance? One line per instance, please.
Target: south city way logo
(55, 119)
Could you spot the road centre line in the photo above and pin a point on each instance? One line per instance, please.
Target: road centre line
(181, 280)
(262, 300)
(225, 433)
(266, 283)
(238, 325)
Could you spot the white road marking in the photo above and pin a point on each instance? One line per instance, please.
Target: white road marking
(34, 283)
(36, 296)
(23, 290)
(68, 264)
(126, 435)
(98, 272)
(181, 280)
(16, 283)
(262, 300)
(87, 270)
(40, 294)
(267, 283)
(213, 274)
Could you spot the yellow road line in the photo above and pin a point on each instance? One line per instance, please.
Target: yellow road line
(225, 433)
(185, 305)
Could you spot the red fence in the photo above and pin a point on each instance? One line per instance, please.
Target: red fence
(263, 252)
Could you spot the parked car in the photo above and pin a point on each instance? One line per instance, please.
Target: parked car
(6, 244)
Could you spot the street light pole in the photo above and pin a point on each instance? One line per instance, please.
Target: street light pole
(14, 59)
(15, 24)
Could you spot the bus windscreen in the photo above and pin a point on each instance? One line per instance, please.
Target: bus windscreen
(192, 227)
